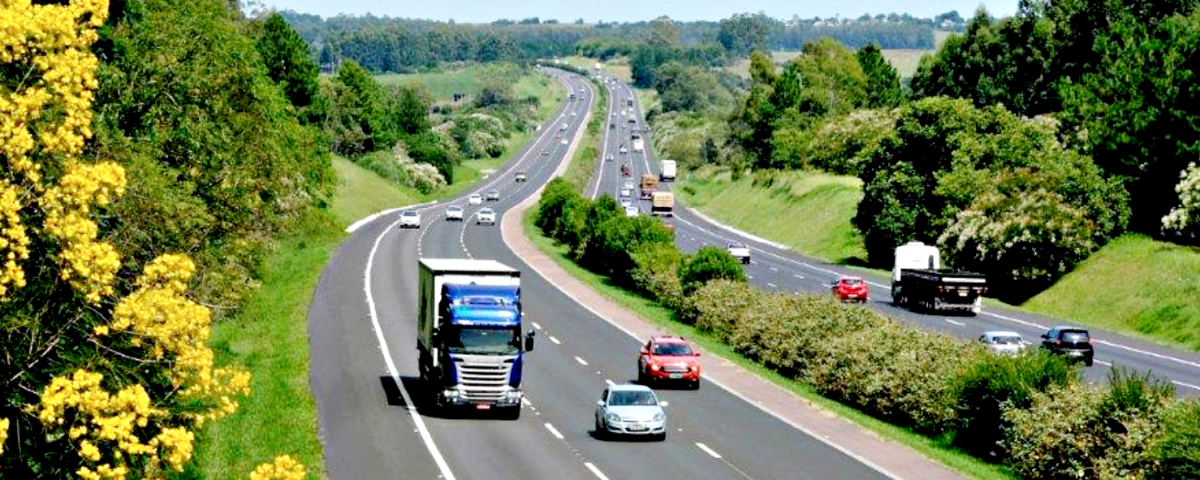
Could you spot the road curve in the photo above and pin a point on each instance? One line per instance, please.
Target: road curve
(370, 430)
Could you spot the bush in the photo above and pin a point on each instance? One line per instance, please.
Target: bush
(709, 263)
(656, 273)
(609, 248)
(551, 205)
(1178, 453)
(991, 383)
(716, 306)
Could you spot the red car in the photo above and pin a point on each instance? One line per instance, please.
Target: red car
(669, 358)
(851, 289)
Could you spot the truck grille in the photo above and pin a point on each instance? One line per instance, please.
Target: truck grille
(484, 382)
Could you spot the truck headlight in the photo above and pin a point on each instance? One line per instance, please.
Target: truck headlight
(452, 393)
(512, 394)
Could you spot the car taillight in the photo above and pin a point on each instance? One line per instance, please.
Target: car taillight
(1091, 342)
(1058, 342)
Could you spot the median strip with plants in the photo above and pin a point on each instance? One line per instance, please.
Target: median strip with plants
(1031, 413)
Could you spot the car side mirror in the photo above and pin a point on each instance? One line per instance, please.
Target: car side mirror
(645, 351)
(697, 354)
(529, 342)
(599, 403)
(663, 404)
(1045, 336)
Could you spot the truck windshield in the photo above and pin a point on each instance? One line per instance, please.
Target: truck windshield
(483, 340)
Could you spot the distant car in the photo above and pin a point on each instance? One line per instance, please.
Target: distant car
(609, 158)
(612, 126)
(562, 127)
(851, 289)
(410, 219)
(627, 184)
(631, 211)
(545, 152)
(623, 150)
(454, 212)
(1073, 342)
(626, 192)
(739, 251)
(474, 199)
(520, 177)
(1003, 342)
(565, 142)
(631, 410)
(492, 195)
(485, 215)
(625, 203)
(669, 358)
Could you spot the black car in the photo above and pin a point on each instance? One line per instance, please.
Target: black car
(1074, 342)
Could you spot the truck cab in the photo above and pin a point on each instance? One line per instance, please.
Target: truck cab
(471, 340)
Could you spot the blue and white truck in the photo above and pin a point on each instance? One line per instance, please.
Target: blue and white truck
(470, 338)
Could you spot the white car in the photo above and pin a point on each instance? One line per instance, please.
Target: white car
(485, 215)
(626, 203)
(454, 212)
(739, 251)
(475, 199)
(564, 141)
(1003, 342)
(631, 410)
(493, 195)
(410, 219)
(626, 192)
(628, 185)
(631, 211)
(623, 150)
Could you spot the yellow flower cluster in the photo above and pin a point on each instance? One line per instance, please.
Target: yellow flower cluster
(3, 433)
(283, 468)
(51, 46)
(172, 327)
(91, 266)
(14, 244)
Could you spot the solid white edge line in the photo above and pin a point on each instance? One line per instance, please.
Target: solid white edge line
(1188, 385)
(709, 451)
(952, 322)
(581, 361)
(554, 431)
(391, 365)
(733, 392)
(595, 471)
(370, 218)
(990, 314)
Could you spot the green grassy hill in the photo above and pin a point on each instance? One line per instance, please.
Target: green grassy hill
(809, 211)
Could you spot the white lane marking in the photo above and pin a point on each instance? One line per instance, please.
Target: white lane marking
(610, 382)
(535, 325)
(555, 340)
(707, 450)
(595, 471)
(797, 275)
(391, 365)
(1102, 362)
(772, 285)
(738, 394)
(1188, 385)
(773, 269)
(554, 431)
(952, 322)
(581, 361)
(990, 314)
(526, 402)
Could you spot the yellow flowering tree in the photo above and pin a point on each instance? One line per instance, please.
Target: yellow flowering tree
(103, 379)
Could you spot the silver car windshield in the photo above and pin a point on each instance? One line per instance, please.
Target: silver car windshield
(642, 398)
(1006, 340)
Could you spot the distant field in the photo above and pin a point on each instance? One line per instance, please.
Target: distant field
(443, 84)
(618, 67)
(808, 211)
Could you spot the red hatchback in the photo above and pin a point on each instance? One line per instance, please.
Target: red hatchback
(669, 358)
(851, 289)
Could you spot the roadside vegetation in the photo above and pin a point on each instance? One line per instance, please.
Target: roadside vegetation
(1010, 411)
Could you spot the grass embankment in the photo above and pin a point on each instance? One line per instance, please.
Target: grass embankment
(1134, 285)
(269, 335)
(652, 311)
(808, 211)
(583, 164)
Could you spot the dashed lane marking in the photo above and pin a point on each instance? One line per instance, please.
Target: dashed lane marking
(952, 322)
(581, 361)
(554, 431)
(707, 450)
(555, 340)
(595, 471)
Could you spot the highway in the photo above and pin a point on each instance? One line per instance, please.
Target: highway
(363, 345)
(779, 269)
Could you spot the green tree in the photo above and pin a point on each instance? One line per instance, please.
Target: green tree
(883, 83)
(762, 68)
(709, 263)
(287, 59)
(743, 33)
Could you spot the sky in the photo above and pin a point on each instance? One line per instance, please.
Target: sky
(591, 11)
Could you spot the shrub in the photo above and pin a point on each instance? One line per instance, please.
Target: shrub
(709, 263)
(656, 273)
(716, 306)
(1178, 453)
(990, 383)
(610, 246)
(551, 205)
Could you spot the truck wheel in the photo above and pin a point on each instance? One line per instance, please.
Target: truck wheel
(1088, 362)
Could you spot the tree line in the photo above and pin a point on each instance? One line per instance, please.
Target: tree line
(404, 45)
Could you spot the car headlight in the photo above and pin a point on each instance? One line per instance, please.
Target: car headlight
(612, 417)
(654, 366)
(658, 417)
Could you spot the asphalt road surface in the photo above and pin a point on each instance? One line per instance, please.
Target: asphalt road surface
(363, 341)
(783, 270)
